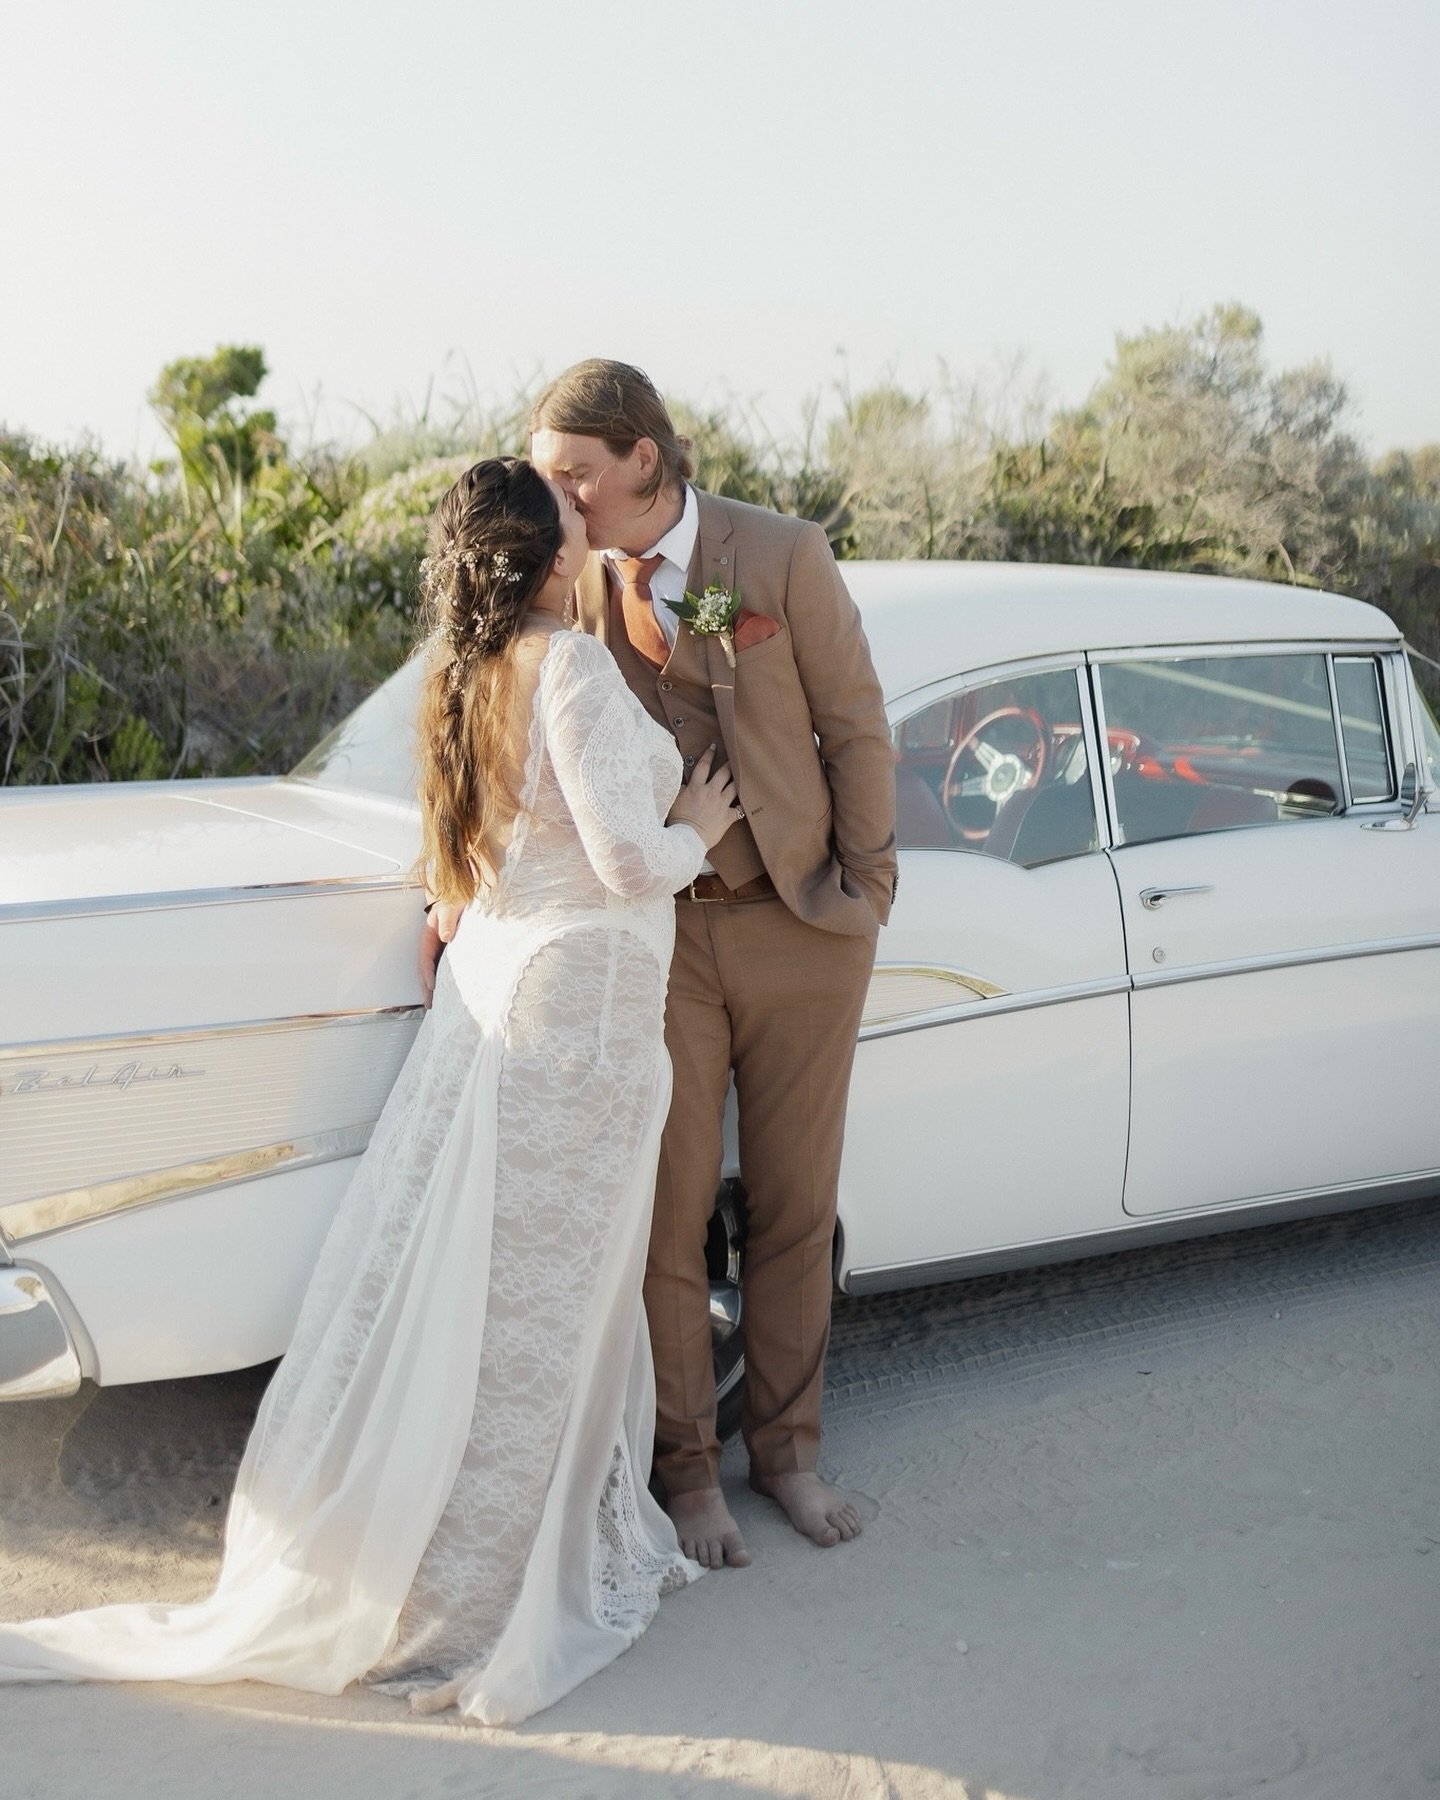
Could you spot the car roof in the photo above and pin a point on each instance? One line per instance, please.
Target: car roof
(930, 620)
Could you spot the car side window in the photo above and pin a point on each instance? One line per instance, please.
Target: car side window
(1363, 729)
(999, 769)
(1209, 743)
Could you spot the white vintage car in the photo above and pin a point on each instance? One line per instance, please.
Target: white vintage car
(1165, 959)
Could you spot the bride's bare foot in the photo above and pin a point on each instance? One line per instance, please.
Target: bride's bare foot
(820, 1512)
(706, 1529)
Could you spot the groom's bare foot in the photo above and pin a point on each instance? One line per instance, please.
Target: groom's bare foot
(706, 1529)
(818, 1511)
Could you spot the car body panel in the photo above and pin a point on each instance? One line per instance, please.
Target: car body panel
(206, 987)
(1267, 1052)
(213, 958)
(83, 845)
(99, 1126)
(958, 1085)
(212, 1283)
(926, 622)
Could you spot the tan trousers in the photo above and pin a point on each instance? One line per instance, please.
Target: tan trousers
(755, 989)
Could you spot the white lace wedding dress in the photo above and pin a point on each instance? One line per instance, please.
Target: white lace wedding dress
(444, 1492)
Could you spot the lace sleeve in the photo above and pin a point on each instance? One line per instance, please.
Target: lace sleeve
(596, 745)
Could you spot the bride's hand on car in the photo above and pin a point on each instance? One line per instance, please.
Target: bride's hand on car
(707, 803)
(440, 923)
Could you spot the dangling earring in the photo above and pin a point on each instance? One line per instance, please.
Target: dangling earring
(569, 614)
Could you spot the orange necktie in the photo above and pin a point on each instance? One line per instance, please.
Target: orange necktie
(643, 629)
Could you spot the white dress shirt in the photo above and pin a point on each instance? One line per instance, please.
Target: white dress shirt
(669, 580)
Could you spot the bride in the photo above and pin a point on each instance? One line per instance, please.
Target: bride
(445, 1489)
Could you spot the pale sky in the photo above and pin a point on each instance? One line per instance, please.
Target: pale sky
(749, 198)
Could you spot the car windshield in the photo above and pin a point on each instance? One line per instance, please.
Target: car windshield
(1427, 684)
(374, 749)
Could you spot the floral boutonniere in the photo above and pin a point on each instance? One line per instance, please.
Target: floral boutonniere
(711, 614)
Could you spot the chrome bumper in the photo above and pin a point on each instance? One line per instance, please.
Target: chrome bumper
(37, 1358)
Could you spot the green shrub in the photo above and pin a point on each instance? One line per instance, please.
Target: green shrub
(217, 615)
(140, 638)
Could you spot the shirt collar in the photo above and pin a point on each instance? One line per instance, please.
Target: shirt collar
(678, 544)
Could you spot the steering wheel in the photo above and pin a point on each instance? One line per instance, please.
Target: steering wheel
(996, 770)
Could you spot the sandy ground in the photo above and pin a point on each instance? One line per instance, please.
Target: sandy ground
(1162, 1524)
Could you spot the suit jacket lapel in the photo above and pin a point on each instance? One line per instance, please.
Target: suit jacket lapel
(716, 555)
(716, 543)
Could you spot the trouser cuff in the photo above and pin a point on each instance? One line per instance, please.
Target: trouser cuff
(688, 1478)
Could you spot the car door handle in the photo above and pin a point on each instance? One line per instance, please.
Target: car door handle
(1155, 898)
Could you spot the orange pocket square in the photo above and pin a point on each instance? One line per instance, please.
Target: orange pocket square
(753, 628)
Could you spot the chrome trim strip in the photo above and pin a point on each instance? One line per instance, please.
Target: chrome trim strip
(1347, 797)
(27, 1221)
(1003, 1003)
(1108, 817)
(1097, 753)
(1286, 959)
(1389, 722)
(1246, 647)
(180, 1034)
(977, 985)
(38, 1360)
(29, 912)
(1308, 1203)
(903, 706)
(1392, 724)
(1033, 998)
(908, 701)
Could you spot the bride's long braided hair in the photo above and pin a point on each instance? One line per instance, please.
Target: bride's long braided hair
(492, 542)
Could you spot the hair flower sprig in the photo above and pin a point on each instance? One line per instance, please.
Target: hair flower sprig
(711, 614)
(497, 566)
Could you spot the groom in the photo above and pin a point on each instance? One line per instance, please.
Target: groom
(774, 942)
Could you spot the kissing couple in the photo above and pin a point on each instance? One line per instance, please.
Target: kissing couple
(657, 810)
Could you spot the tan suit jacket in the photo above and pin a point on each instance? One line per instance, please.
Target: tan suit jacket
(801, 714)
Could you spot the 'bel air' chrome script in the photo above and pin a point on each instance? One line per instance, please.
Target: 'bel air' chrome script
(128, 1075)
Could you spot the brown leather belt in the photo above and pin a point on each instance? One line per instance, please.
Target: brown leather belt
(712, 890)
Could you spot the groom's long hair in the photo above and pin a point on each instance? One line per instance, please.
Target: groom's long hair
(620, 405)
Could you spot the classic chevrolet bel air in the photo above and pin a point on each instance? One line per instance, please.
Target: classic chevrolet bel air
(1165, 960)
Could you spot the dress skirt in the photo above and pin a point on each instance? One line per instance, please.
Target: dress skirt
(445, 1488)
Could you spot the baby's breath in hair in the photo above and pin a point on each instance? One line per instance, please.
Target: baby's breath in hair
(470, 597)
(437, 568)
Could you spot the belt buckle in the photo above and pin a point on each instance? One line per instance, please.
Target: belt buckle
(705, 899)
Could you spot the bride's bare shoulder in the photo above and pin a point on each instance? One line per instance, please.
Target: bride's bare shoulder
(531, 644)
(576, 653)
